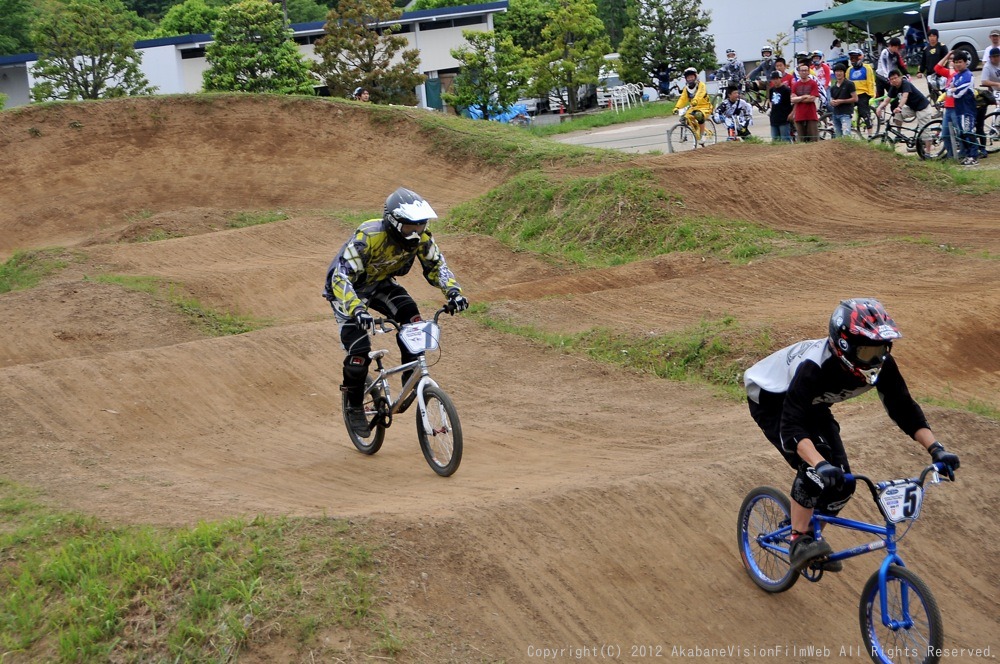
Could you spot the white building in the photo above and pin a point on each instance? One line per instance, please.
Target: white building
(175, 64)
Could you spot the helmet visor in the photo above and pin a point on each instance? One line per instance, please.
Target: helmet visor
(872, 354)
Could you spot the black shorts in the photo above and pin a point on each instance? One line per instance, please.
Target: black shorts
(824, 431)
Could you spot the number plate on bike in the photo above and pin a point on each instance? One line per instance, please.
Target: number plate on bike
(420, 337)
(902, 501)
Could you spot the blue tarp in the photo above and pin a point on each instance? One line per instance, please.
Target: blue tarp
(504, 116)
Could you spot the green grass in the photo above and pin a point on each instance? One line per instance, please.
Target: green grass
(26, 268)
(715, 353)
(213, 323)
(604, 118)
(607, 219)
(244, 219)
(75, 589)
(974, 406)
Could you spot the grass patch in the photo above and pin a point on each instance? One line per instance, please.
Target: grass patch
(715, 353)
(608, 219)
(974, 406)
(605, 118)
(26, 268)
(214, 323)
(75, 589)
(244, 219)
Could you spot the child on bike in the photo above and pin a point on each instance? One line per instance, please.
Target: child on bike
(694, 105)
(790, 393)
(363, 274)
(735, 113)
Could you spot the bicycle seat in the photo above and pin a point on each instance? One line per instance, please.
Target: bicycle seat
(375, 354)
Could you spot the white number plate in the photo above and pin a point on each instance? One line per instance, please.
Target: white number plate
(420, 337)
(902, 502)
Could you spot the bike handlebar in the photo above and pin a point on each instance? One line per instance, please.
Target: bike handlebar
(937, 466)
(386, 325)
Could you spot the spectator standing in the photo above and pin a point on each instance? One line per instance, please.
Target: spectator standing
(949, 126)
(932, 54)
(888, 60)
(805, 92)
(963, 91)
(836, 52)
(990, 80)
(994, 43)
(781, 67)
(781, 108)
(843, 97)
(862, 76)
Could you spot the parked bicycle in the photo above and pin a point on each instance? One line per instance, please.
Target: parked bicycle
(438, 428)
(910, 136)
(899, 617)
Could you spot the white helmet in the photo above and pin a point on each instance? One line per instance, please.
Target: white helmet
(407, 207)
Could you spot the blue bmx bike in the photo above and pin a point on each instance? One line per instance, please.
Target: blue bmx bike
(900, 619)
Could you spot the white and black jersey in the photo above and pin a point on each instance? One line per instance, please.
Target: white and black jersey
(806, 378)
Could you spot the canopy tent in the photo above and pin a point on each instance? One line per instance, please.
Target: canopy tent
(869, 15)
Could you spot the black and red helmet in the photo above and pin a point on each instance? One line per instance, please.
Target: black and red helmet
(861, 335)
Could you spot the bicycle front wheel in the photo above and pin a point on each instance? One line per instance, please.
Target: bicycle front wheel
(929, 143)
(765, 512)
(680, 137)
(442, 445)
(915, 631)
(372, 443)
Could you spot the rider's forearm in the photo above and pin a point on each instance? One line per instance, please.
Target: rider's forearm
(925, 437)
(808, 453)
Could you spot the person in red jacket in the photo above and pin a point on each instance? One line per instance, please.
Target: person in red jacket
(805, 92)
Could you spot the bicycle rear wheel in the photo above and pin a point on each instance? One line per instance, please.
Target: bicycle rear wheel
(442, 445)
(992, 128)
(929, 143)
(372, 443)
(764, 512)
(919, 631)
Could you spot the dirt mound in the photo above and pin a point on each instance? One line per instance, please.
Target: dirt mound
(594, 505)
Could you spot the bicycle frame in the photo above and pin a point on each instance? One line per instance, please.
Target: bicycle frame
(776, 542)
(420, 379)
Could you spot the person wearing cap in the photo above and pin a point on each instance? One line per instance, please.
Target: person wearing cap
(781, 107)
(843, 97)
(932, 54)
(889, 59)
(994, 43)
(990, 77)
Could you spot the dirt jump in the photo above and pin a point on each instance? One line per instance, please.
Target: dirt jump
(594, 514)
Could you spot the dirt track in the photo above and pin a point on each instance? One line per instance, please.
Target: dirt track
(593, 506)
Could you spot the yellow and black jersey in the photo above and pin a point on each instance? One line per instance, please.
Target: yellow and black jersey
(373, 257)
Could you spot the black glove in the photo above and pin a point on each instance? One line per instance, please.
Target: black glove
(364, 320)
(950, 460)
(832, 476)
(457, 301)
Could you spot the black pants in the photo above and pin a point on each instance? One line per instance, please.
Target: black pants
(392, 301)
(864, 110)
(824, 432)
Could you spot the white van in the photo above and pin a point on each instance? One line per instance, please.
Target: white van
(965, 24)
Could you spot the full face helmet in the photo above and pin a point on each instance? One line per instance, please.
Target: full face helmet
(861, 335)
(766, 52)
(691, 82)
(406, 216)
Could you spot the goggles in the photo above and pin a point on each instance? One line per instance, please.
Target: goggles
(871, 354)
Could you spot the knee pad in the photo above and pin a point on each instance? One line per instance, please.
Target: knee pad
(806, 489)
(355, 370)
(831, 502)
(698, 116)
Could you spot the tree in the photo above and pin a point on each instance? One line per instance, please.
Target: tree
(614, 15)
(674, 32)
(361, 48)
(523, 22)
(492, 73)
(191, 17)
(85, 51)
(574, 43)
(306, 11)
(15, 27)
(254, 52)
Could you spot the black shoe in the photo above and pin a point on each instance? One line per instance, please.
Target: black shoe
(358, 421)
(832, 566)
(805, 549)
